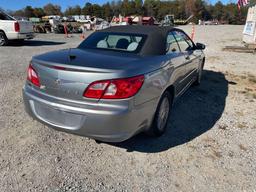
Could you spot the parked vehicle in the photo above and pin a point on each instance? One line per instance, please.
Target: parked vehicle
(148, 21)
(12, 29)
(120, 20)
(118, 82)
(102, 25)
(168, 20)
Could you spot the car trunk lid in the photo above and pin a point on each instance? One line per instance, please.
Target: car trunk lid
(67, 73)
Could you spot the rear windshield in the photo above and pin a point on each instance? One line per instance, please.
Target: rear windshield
(122, 42)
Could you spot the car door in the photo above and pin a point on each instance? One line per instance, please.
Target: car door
(177, 60)
(187, 48)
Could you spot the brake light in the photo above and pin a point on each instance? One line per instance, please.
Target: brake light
(114, 89)
(33, 76)
(16, 27)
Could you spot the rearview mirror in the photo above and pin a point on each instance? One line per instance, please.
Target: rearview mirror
(200, 46)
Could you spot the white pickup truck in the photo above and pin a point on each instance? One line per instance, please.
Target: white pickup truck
(12, 29)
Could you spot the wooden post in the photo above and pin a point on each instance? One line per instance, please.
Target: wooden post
(193, 32)
(66, 30)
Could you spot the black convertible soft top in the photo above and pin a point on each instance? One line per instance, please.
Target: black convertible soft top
(156, 37)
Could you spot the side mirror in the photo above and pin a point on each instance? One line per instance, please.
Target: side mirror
(200, 46)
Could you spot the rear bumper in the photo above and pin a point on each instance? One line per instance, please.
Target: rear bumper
(14, 36)
(101, 121)
(26, 35)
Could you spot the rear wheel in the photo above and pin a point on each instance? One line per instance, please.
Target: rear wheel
(3, 39)
(162, 114)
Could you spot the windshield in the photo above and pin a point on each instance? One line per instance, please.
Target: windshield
(123, 42)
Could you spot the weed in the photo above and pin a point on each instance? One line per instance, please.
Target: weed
(242, 147)
(241, 125)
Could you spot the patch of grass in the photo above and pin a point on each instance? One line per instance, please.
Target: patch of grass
(250, 95)
(248, 89)
(243, 77)
(252, 78)
(241, 125)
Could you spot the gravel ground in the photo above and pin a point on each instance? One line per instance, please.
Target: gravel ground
(209, 146)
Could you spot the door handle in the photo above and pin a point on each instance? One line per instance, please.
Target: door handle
(187, 57)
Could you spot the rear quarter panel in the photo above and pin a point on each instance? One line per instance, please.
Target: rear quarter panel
(157, 80)
(8, 28)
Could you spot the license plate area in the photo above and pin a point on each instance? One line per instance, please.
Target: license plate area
(58, 117)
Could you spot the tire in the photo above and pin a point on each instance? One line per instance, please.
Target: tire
(162, 115)
(3, 39)
(199, 75)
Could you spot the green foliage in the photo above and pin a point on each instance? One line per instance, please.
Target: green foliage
(29, 12)
(38, 12)
(76, 10)
(51, 9)
(181, 9)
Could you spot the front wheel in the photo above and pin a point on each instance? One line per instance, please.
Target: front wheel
(3, 39)
(199, 75)
(162, 114)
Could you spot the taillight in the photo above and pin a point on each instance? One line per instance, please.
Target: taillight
(16, 27)
(33, 76)
(114, 89)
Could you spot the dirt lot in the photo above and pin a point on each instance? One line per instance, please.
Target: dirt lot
(210, 144)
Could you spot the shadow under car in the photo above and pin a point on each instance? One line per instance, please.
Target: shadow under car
(33, 43)
(193, 114)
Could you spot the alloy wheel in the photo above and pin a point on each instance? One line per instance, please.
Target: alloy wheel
(163, 114)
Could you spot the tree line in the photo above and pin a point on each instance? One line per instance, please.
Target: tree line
(181, 9)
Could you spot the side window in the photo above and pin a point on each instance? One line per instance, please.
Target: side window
(3, 16)
(184, 42)
(171, 44)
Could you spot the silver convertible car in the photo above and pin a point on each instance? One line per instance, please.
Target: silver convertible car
(118, 82)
